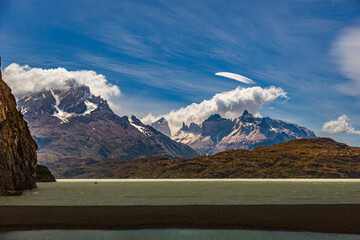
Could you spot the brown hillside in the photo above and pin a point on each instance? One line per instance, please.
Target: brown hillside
(298, 158)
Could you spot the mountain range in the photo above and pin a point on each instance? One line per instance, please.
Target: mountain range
(79, 136)
(217, 134)
(73, 122)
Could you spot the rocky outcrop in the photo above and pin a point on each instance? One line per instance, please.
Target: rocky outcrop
(17, 147)
(43, 174)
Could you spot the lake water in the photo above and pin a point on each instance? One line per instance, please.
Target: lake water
(173, 234)
(195, 191)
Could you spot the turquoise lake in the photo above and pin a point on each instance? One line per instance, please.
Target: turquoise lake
(183, 192)
(195, 191)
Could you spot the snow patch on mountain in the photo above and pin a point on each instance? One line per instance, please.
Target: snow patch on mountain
(62, 115)
(90, 107)
(184, 137)
(141, 129)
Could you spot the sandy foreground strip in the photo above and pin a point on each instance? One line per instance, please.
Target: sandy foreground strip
(328, 218)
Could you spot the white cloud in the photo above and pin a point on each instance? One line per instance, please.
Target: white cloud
(340, 125)
(236, 77)
(229, 104)
(25, 80)
(347, 52)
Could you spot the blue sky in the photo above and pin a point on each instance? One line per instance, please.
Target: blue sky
(163, 55)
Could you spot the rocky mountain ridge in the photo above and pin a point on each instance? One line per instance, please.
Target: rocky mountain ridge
(217, 134)
(74, 123)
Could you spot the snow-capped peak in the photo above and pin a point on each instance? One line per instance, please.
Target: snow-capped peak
(63, 104)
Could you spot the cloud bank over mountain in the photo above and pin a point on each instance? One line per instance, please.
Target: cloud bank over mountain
(340, 125)
(228, 104)
(25, 80)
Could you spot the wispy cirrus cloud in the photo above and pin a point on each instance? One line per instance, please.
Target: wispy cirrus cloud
(170, 78)
(347, 52)
(236, 77)
(340, 125)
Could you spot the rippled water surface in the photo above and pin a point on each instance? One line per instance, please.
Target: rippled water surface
(173, 234)
(182, 192)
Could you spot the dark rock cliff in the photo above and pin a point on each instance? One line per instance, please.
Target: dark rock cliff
(17, 147)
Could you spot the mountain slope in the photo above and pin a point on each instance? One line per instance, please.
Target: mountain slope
(298, 158)
(217, 134)
(81, 168)
(75, 123)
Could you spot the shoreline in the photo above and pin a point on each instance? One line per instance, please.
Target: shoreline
(325, 218)
(209, 180)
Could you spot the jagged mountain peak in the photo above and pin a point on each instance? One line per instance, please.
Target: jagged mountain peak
(64, 104)
(162, 126)
(246, 114)
(214, 117)
(162, 119)
(218, 134)
(184, 127)
(136, 121)
(193, 127)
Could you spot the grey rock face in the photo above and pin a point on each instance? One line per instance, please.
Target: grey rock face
(162, 126)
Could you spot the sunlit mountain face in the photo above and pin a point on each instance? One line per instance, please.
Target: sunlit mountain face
(217, 134)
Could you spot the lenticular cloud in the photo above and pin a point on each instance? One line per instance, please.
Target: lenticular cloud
(25, 80)
(229, 104)
(236, 77)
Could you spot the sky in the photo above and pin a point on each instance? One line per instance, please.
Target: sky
(297, 60)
